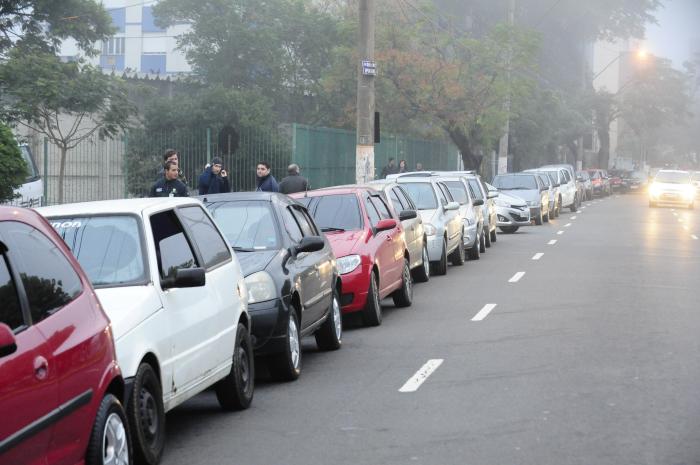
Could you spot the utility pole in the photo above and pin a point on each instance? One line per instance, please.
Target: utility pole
(364, 152)
(503, 142)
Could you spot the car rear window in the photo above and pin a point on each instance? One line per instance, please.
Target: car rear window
(247, 225)
(515, 182)
(108, 247)
(458, 191)
(422, 194)
(340, 211)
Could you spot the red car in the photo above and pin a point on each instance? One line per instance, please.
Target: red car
(61, 389)
(369, 244)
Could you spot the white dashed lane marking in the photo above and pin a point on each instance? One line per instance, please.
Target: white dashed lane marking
(484, 312)
(537, 256)
(421, 375)
(560, 232)
(552, 242)
(516, 277)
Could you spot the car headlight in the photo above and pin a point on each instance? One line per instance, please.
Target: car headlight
(655, 189)
(429, 229)
(348, 263)
(261, 287)
(689, 191)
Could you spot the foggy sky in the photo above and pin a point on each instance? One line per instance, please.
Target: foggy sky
(679, 24)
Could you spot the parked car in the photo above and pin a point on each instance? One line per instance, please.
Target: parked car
(441, 219)
(61, 389)
(31, 192)
(293, 285)
(572, 191)
(552, 189)
(617, 183)
(672, 187)
(600, 182)
(530, 188)
(512, 211)
(369, 244)
(177, 300)
(585, 179)
(474, 239)
(416, 239)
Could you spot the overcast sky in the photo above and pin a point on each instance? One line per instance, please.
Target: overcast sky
(679, 24)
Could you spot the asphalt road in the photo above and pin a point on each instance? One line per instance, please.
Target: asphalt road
(592, 357)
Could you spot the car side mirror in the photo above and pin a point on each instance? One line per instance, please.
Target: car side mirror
(185, 277)
(407, 215)
(310, 244)
(478, 202)
(451, 206)
(385, 225)
(492, 194)
(8, 343)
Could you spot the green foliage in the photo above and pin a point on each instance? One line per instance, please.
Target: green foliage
(13, 169)
(46, 23)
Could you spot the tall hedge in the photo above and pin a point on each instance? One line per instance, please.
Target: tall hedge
(13, 169)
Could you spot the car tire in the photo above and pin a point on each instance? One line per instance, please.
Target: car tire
(545, 218)
(482, 241)
(372, 313)
(487, 239)
(422, 273)
(235, 392)
(440, 267)
(457, 256)
(538, 219)
(146, 416)
(109, 438)
(330, 335)
(574, 206)
(403, 297)
(286, 365)
(509, 229)
(494, 236)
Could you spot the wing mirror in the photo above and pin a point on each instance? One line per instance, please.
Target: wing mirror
(310, 244)
(407, 215)
(478, 202)
(449, 206)
(185, 277)
(8, 343)
(385, 225)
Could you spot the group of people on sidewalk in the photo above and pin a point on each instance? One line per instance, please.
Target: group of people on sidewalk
(214, 179)
(391, 168)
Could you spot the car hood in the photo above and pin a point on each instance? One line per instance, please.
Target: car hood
(252, 262)
(343, 242)
(527, 195)
(511, 199)
(428, 216)
(128, 306)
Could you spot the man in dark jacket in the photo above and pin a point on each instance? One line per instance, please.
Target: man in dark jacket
(169, 185)
(391, 168)
(214, 179)
(293, 182)
(171, 155)
(266, 182)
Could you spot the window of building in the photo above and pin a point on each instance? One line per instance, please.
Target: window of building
(113, 46)
(153, 63)
(118, 18)
(148, 23)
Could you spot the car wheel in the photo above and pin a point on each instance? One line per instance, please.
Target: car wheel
(235, 392)
(440, 268)
(403, 297)
(330, 335)
(494, 236)
(475, 250)
(372, 313)
(509, 229)
(109, 439)
(538, 219)
(482, 241)
(545, 218)
(573, 207)
(147, 416)
(286, 366)
(422, 273)
(487, 239)
(457, 256)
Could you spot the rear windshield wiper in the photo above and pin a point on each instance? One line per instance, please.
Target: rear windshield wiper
(243, 249)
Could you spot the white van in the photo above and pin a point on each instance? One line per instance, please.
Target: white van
(31, 193)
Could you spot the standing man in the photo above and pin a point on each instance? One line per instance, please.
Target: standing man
(419, 166)
(169, 185)
(266, 182)
(293, 182)
(214, 179)
(171, 155)
(391, 168)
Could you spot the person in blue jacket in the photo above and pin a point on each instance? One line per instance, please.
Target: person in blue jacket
(214, 179)
(266, 181)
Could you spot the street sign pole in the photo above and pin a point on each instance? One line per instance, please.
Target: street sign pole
(367, 70)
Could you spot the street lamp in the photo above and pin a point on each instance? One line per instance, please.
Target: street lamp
(641, 55)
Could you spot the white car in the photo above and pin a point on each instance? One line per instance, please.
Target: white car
(176, 298)
(512, 211)
(474, 238)
(566, 177)
(672, 187)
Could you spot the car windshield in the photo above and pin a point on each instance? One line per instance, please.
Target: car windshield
(422, 194)
(108, 247)
(247, 225)
(458, 191)
(553, 178)
(673, 177)
(338, 213)
(515, 182)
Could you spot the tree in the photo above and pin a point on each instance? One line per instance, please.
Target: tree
(46, 23)
(13, 169)
(66, 102)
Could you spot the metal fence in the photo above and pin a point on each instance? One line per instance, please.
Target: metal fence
(101, 169)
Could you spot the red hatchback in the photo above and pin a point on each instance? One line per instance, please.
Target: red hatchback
(369, 245)
(60, 386)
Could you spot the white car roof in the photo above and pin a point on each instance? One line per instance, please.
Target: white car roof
(122, 206)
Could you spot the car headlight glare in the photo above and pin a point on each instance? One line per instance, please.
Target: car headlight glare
(348, 263)
(655, 189)
(261, 287)
(430, 230)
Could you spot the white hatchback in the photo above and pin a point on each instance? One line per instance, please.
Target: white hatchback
(175, 294)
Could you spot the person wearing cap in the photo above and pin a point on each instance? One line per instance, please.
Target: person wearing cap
(214, 179)
(293, 182)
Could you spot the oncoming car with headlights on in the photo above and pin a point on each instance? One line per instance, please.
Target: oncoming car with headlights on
(672, 187)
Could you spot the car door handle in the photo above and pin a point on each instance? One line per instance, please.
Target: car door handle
(41, 368)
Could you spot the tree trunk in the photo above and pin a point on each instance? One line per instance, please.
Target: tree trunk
(61, 173)
(604, 151)
(471, 160)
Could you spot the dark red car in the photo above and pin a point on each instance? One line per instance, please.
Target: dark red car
(61, 389)
(369, 245)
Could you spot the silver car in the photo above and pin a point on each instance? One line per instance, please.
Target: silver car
(530, 188)
(470, 208)
(512, 211)
(441, 219)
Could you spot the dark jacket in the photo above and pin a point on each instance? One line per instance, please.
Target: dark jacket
(180, 175)
(210, 183)
(165, 188)
(387, 170)
(268, 184)
(294, 183)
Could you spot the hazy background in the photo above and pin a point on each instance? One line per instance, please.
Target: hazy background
(679, 26)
